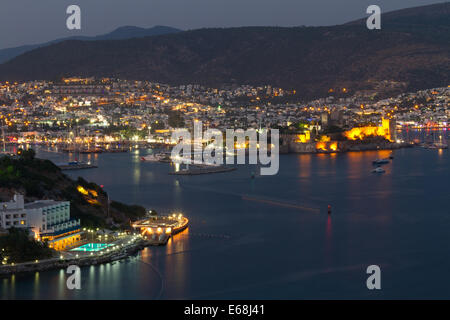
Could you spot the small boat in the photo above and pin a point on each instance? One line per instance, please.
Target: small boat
(378, 170)
(86, 151)
(75, 165)
(78, 163)
(150, 158)
(154, 157)
(116, 150)
(437, 145)
(380, 161)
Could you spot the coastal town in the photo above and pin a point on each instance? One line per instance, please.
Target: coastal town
(223, 159)
(110, 114)
(90, 115)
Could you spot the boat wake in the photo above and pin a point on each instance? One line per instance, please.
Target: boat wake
(279, 203)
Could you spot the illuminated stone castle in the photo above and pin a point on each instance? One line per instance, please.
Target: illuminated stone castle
(306, 143)
(386, 130)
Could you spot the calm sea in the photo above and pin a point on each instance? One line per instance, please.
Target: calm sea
(271, 237)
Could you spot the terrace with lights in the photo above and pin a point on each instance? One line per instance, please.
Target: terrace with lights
(48, 219)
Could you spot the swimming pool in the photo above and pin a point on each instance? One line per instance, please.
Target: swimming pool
(92, 247)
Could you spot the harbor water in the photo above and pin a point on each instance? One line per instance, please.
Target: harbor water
(271, 237)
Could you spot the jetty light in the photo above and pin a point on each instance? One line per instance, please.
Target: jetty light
(168, 230)
(159, 230)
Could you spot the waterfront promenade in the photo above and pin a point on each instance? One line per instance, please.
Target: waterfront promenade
(155, 231)
(118, 249)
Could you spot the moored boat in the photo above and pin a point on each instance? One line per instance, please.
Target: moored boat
(380, 161)
(378, 170)
(154, 157)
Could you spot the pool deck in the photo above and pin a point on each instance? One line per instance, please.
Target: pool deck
(120, 248)
(79, 258)
(88, 247)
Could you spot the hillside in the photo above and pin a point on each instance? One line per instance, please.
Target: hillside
(41, 179)
(411, 52)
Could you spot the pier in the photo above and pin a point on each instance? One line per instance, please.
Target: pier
(202, 169)
(158, 229)
(78, 166)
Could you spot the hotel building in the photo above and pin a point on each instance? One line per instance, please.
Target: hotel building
(49, 220)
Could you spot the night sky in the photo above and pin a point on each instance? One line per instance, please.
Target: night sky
(36, 21)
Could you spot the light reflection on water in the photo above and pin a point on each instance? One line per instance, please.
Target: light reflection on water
(236, 248)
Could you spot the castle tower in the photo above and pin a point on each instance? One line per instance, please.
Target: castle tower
(385, 124)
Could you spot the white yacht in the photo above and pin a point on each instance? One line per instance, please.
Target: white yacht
(378, 170)
(153, 157)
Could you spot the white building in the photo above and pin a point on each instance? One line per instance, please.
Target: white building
(47, 219)
(12, 214)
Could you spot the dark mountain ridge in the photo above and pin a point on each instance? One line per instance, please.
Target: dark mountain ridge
(411, 49)
(125, 32)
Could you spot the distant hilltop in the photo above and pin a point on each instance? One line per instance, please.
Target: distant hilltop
(125, 32)
(410, 52)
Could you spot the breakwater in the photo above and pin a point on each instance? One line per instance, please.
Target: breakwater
(196, 170)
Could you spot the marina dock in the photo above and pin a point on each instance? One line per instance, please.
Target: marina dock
(78, 166)
(196, 170)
